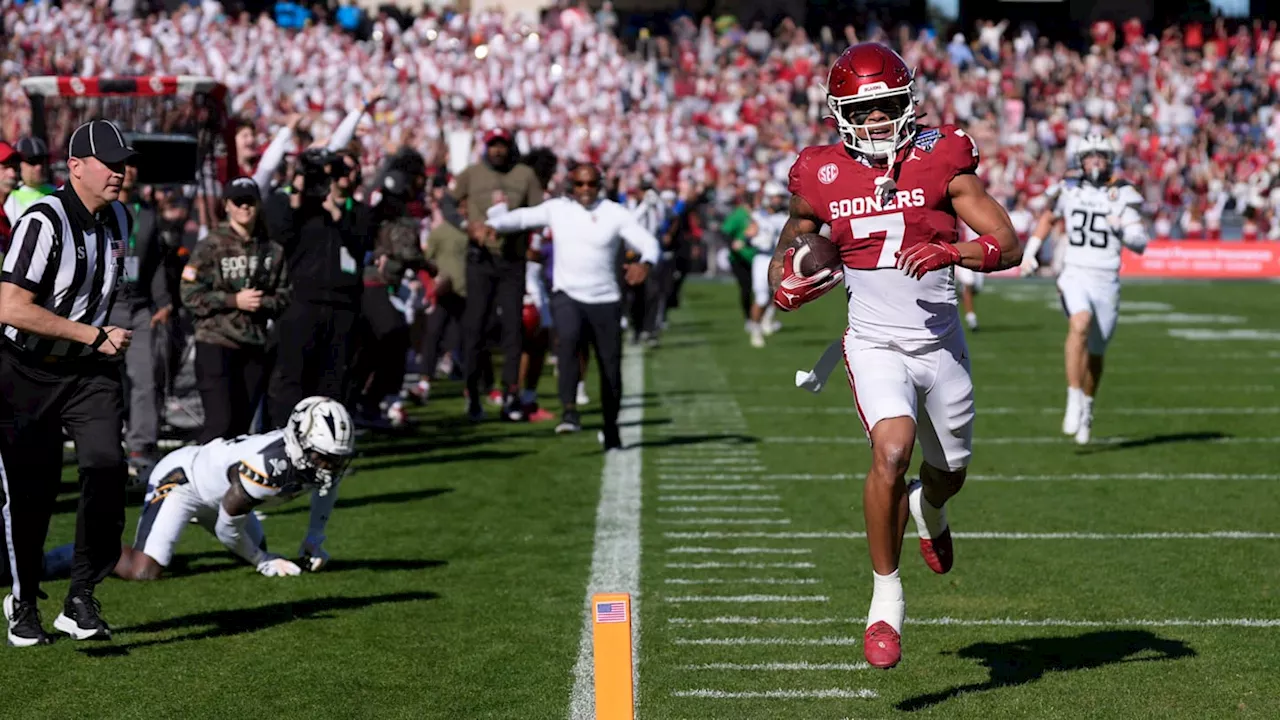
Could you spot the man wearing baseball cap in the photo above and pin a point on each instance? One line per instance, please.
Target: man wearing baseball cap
(495, 263)
(33, 166)
(9, 160)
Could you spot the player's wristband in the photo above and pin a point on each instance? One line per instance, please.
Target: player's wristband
(102, 337)
(990, 253)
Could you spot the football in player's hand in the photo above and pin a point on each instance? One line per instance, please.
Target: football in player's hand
(813, 253)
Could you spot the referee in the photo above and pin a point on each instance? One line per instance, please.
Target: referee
(586, 303)
(57, 371)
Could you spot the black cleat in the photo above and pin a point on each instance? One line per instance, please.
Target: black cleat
(569, 423)
(81, 618)
(23, 620)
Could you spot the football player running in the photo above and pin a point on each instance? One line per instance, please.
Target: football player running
(891, 193)
(1101, 215)
(767, 222)
(219, 484)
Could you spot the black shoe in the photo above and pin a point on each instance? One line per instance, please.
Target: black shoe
(81, 618)
(569, 423)
(609, 441)
(23, 620)
(513, 409)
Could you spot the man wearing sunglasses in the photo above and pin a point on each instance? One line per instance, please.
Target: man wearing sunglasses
(586, 302)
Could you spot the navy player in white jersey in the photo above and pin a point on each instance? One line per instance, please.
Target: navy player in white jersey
(219, 484)
(1102, 216)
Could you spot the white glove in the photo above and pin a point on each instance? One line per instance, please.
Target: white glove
(276, 566)
(1029, 266)
(807, 380)
(311, 556)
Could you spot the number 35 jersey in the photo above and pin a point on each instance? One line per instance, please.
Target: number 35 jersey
(1086, 210)
(885, 306)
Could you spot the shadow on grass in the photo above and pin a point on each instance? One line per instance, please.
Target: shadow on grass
(205, 563)
(1025, 661)
(683, 440)
(240, 621)
(391, 498)
(1153, 440)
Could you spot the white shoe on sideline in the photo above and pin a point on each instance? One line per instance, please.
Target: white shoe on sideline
(1071, 420)
(1086, 427)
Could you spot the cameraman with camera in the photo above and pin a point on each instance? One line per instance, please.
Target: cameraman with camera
(325, 234)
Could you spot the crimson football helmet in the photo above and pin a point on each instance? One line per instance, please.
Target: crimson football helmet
(868, 77)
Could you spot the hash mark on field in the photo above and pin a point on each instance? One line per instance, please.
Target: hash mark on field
(739, 620)
(719, 509)
(1218, 535)
(809, 476)
(725, 521)
(826, 641)
(748, 598)
(686, 550)
(714, 498)
(743, 581)
(776, 666)
(696, 486)
(707, 476)
(740, 566)
(828, 694)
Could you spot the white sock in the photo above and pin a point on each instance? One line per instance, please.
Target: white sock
(971, 318)
(930, 521)
(769, 313)
(528, 397)
(1086, 403)
(1074, 396)
(887, 602)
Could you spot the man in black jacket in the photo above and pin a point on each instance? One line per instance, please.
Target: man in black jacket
(144, 305)
(326, 234)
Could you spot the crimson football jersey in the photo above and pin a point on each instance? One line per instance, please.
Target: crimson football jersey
(870, 230)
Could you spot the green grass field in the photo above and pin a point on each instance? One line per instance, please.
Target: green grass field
(1086, 584)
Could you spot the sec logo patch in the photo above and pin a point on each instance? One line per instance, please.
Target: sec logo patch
(828, 173)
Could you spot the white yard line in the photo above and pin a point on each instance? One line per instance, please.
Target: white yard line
(686, 550)
(709, 509)
(742, 581)
(740, 620)
(859, 439)
(826, 694)
(1217, 535)
(742, 641)
(715, 498)
(747, 599)
(740, 566)
(725, 521)
(781, 666)
(615, 560)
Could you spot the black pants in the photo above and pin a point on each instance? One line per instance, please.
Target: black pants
(493, 283)
(313, 356)
(443, 331)
(231, 383)
(382, 349)
(37, 401)
(742, 273)
(597, 324)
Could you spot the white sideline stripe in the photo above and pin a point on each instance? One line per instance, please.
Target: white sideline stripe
(1047, 440)
(708, 486)
(781, 666)
(1123, 476)
(837, 640)
(748, 599)
(686, 550)
(986, 622)
(1260, 410)
(827, 694)
(725, 521)
(1217, 535)
(714, 498)
(740, 566)
(615, 560)
(719, 509)
(743, 581)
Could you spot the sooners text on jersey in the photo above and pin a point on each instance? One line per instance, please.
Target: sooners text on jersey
(871, 228)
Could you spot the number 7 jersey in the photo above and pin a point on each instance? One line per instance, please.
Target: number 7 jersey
(1086, 210)
(886, 306)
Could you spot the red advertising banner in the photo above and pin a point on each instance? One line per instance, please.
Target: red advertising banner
(1204, 259)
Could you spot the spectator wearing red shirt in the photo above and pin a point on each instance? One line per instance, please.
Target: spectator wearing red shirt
(9, 160)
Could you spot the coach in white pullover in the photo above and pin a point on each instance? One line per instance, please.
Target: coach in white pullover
(586, 301)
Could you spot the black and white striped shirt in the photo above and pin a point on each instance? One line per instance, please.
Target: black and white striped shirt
(72, 260)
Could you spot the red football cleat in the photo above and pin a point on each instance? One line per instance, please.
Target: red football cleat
(882, 645)
(537, 414)
(938, 553)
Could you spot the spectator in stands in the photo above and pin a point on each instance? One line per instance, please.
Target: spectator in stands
(9, 160)
(34, 170)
